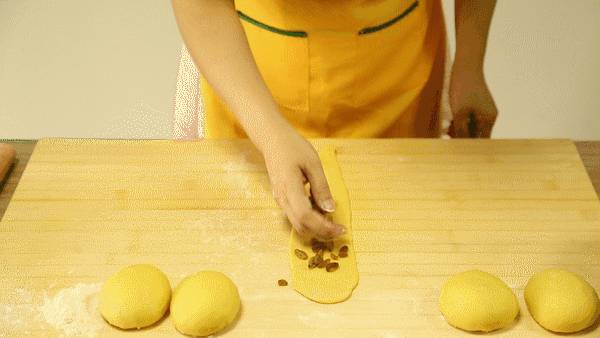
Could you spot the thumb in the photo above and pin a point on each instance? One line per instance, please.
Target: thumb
(319, 188)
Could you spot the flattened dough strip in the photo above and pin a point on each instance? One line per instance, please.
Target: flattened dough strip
(317, 284)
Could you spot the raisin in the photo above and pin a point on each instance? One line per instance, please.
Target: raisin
(343, 251)
(323, 263)
(311, 263)
(282, 282)
(318, 259)
(331, 267)
(301, 254)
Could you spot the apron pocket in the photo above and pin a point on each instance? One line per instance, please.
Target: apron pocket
(282, 59)
(391, 57)
(373, 29)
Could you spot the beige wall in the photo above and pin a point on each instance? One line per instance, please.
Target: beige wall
(543, 67)
(82, 68)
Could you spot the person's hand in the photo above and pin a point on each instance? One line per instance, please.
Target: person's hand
(472, 105)
(291, 163)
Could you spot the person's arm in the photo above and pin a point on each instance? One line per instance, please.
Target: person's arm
(215, 38)
(217, 43)
(468, 90)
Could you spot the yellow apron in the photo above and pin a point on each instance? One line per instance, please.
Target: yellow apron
(353, 68)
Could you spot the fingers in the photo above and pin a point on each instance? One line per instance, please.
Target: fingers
(470, 124)
(319, 188)
(296, 205)
(304, 215)
(486, 123)
(281, 198)
(306, 220)
(460, 125)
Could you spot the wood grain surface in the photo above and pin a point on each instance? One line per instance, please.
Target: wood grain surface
(423, 210)
(589, 151)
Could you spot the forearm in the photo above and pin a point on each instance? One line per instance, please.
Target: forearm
(472, 21)
(217, 43)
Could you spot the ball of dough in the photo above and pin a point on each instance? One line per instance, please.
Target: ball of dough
(204, 303)
(137, 296)
(561, 301)
(478, 301)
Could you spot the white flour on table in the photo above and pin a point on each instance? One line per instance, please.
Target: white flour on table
(238, 178)
(73, 312)
(16, 318)
(321, 319)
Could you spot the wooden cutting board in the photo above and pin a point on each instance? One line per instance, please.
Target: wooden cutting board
(7, 158)
(423, 210)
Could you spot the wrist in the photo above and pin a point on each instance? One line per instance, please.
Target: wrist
(267, 135)
(466, 70)
(468, 66)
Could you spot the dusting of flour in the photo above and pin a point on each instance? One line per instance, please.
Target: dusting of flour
(74, 310)
(321, 319)
(238, 178)
(15, 317)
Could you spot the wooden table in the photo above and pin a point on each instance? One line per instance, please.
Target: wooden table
(589, 151)
(422, 211)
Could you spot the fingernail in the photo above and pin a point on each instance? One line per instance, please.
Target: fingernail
(340, 231)
(328, 205)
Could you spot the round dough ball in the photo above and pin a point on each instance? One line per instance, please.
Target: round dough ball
(478, 301)
(137, 296)
(204, 303)
(561, 301)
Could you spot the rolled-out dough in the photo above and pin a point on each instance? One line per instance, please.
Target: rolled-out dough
(561, 301)
(478, 301)
(318, 284)
(204, 303)
(136, 296)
